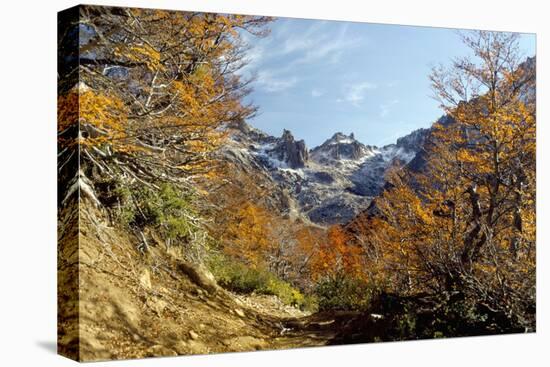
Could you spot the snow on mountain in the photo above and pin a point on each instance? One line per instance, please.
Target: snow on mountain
(328, 184)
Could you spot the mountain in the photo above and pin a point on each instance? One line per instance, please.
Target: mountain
(328, 184)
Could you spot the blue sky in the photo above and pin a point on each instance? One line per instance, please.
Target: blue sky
(317, 77)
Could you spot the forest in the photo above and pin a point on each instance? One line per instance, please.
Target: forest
(147, 101)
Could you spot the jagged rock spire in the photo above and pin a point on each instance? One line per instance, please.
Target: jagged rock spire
(294, 153)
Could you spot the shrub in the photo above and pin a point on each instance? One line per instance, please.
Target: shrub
(236, 276)
(286, 292)
(170, 210)
(423, 316)
(240, 278)
(168, 207)
(343, 292)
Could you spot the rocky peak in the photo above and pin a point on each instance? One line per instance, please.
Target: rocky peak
(339, 136)
(293, 153)
(339, 146)
(287, 136)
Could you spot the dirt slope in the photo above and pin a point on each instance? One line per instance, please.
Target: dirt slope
(140, 304)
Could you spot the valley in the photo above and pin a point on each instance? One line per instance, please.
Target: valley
(183, 229)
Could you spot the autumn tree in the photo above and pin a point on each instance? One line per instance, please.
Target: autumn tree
(263, 239)
(246, 236)
(464, 225)
(309, 241)
(493, 142)
(149, 91)
(337, 254)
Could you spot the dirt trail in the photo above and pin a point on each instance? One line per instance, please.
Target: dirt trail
(135, 305)
(293, 328)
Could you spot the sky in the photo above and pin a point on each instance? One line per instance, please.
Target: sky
(316, 77)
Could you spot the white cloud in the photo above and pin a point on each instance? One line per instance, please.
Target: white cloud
(386, 107)
(315, 92)
(329, 51)
(321, 42)
(271, 84)
(307, 40)
(355, 93)
(325, 46)
(296, 44)
(254, 56)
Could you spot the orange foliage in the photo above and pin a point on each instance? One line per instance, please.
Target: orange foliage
(338, 254)
(248, 234)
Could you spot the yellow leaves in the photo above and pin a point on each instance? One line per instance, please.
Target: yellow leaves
(140, 53)
(466, 156)
(105, 112)
(191, 98)
(107, 116)
(202, 79)
(101, 118)
(148, 54)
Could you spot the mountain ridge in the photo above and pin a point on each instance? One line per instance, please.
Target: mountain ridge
(328, 184)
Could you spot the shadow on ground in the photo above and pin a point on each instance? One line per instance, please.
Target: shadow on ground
(49, 346)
